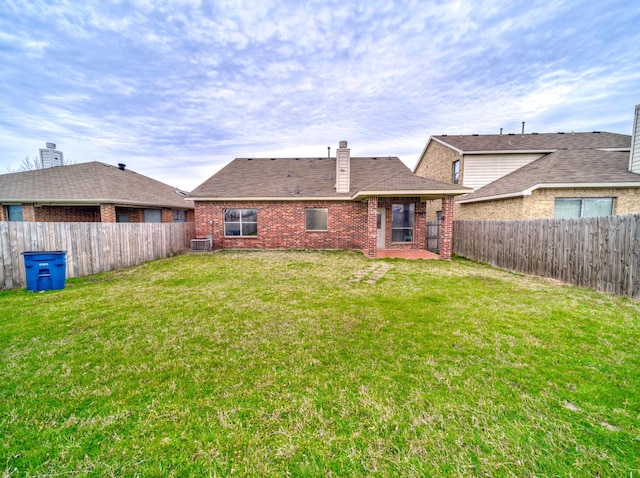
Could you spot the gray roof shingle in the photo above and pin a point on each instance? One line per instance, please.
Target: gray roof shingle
(313, 177)
(535, 142)
(91, 182)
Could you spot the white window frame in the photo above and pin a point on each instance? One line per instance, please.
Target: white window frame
(413, 227)
(582, 204)
(316, 209)
(455, 172)
(240, 221)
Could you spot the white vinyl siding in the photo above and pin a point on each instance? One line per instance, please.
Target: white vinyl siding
(634, 155)
(480, 170)
(343, 172)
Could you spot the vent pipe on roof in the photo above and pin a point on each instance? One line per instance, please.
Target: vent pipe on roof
(343, 168)
(500, 130)
(634, 153)
(328, 152)
(523, 127)
(121, 166)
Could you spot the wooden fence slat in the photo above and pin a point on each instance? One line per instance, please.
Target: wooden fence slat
(601, 253)
(90, 247)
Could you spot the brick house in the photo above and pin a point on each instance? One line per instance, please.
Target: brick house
(342, 202)
(530, 176)
(90, 192)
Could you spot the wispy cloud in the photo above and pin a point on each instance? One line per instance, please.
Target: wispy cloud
(178, 88)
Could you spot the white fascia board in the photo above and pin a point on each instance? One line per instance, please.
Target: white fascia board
(264, 199)
(529, 191)
(404, 193)
(462, 200)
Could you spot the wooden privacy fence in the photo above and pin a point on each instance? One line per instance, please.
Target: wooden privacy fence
(601, 253)
(91, 247)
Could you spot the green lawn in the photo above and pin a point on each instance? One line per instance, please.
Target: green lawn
(318, 364)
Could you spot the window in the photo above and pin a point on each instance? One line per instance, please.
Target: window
(14, 213)
(456, 172)
(240, 222)
(123, 218)
(316, 219)
(179, 215)
(402, 219)
(582, 207)
(152, 215)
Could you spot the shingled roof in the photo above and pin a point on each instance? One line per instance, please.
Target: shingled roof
(562, 169)
(89, 183)
(534, 142)
(315, 178)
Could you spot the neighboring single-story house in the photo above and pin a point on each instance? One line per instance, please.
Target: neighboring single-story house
(90, 192)
(362, 203)
(530, 176)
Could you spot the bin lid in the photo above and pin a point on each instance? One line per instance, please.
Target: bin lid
(31, 253)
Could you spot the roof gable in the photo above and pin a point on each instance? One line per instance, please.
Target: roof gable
(297, 178)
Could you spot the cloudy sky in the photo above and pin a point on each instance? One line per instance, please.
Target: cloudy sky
(176, 89)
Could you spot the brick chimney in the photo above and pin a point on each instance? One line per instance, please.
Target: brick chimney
(343, 168)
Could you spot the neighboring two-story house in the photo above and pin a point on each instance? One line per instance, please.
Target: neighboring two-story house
(529, 176)
(90, 192)
(341, 202)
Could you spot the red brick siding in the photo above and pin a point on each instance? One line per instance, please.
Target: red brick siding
(107, 213)
(67, 214)
(372, 226)
(167, 215)
(446, 228)
(28, 212)
(104, 213)
(281, 225)
(135, 214)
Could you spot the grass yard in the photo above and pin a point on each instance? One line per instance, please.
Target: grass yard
(318, 364)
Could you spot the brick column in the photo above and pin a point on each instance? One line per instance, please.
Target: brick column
(372, 226)
(446, 228)
(28, 213)
(167, 215)
(107, 213)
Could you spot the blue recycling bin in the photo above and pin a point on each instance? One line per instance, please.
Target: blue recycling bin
(45, 270)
